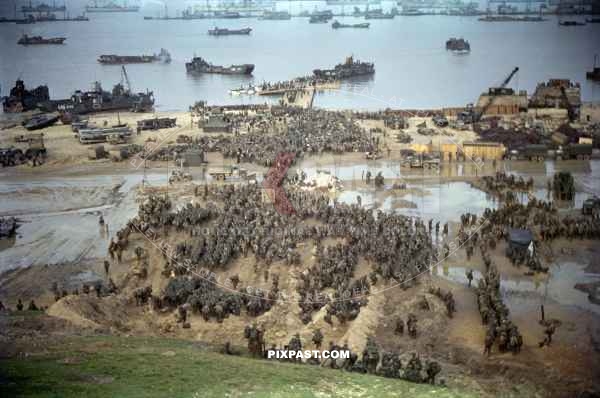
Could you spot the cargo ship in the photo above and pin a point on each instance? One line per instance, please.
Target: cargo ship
(112, 59)
(21, 99)
(43, 7)
(226, 32)
(276, 16)
(34, 40)
(338, 25)
(111, 7)
(348, 69)
(458, 46)
(199, 65)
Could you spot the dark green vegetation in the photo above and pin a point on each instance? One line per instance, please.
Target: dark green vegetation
(131, 367)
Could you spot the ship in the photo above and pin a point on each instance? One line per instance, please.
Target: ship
(199, 65)
(460, 46)
(43, 7)
(571, 23)
(98, 100)
(276, 16)
(378, 14)
(412, 12)
(594, 74)
(319, 19)
(226, 32)
(111, 7)
(112, 59)
(21, 99)
(33, 40)
(348, 69)
(338, 25)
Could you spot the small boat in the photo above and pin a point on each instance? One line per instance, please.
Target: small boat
(458, 46)
(338, 25)
(251, 91)
(226, 32)
(571, 23)
(41, 121)
(199, 65)
(29, 40)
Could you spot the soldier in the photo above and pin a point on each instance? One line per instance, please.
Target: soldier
(413, 369)
(399, 329)
(317, 338)
(489, 342)
(101, 220)
(445, 231)
(368, 177)
(371, 355)
(549, 331)
(437, 228)
(182, 311)
(470, 276)
(296, 345)
(432, 368)
(2, 306)
(19, 305)
(106, 267)
(411, 324)
(32, 306)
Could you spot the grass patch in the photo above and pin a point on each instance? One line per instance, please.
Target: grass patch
(109, 366)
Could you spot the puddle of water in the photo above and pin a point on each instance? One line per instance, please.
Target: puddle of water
(520, 294)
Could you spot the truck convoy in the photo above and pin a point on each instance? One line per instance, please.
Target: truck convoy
(541, 152)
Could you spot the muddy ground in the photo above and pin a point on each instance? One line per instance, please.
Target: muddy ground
(59, 241)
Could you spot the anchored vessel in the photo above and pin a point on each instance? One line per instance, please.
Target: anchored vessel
(338, 25)
(225, 32)
(460, 46)
(32, 40)
(276, 15)
(348, 69)
(112, 59)
(199, 65)
(110, 7)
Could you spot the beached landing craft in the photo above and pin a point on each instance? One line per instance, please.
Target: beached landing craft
(226, 32)
(199, 65)
(348, 69)
(35, 40)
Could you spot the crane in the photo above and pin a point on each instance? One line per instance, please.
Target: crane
(126, 78)
(494, 92)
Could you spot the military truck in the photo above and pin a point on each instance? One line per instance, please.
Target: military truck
(421, 162)
(533, 152)
(591, 206)
(574, 151)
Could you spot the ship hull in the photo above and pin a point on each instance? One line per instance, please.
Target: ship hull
(228, 32)
(110, 9)
(245, 69)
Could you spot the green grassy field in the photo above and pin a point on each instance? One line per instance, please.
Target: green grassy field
(152, 367)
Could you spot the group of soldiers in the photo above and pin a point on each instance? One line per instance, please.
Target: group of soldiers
(399, 247)
(373, 360)
(501, 182)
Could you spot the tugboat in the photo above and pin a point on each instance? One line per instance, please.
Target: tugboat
(337, 25)
(199, 65)
(21, 100)
(112, 59)
(225, 32)
(594, 74)
(348, 69)
(458, 46)
(98, 100)
(31, 40)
